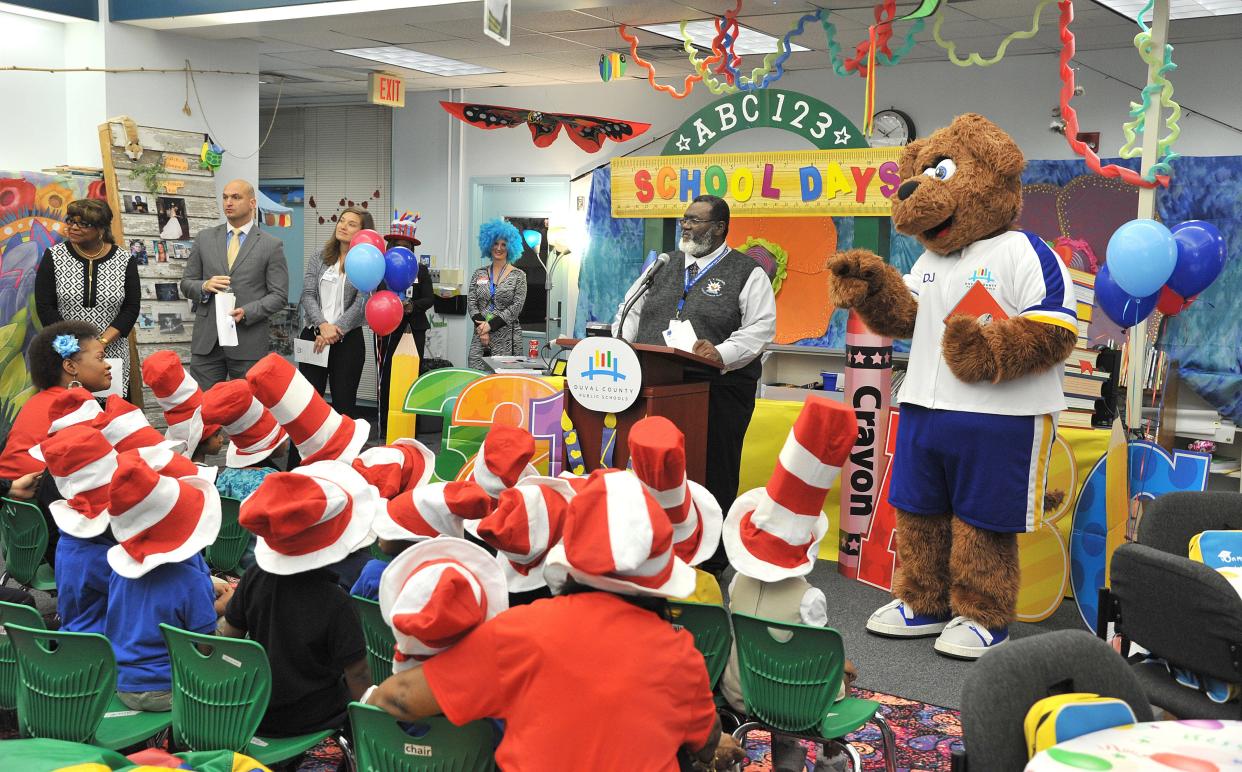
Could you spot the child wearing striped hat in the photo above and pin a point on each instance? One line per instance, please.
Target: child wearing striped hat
(772, 537)
(595, 678)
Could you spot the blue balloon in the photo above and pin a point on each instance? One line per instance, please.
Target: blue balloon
(1200, 257)
(364, 267)
(1142, 255)
(1123, 308)
(400, 270)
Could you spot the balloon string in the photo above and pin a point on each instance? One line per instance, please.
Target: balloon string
(974, 58)
(1156, 69)
(641, 62)
(1070, 116)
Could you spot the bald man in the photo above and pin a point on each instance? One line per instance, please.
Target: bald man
(238, 259)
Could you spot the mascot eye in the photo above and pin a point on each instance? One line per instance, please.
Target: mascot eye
(942, 171)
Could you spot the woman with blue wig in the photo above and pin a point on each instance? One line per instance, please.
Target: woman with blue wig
(496, 294)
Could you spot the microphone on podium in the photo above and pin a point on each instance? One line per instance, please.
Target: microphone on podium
(647, 280)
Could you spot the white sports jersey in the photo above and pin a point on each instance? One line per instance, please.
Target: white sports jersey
(1027, 279)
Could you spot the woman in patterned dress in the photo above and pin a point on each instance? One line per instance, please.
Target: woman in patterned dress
(496, 295)
(88, 278)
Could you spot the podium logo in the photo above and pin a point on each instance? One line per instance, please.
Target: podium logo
(604, 365)
(604, 374)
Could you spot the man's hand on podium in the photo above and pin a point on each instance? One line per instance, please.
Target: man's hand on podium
(705, 349)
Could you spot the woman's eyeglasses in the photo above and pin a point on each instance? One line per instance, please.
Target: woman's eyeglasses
(80, 224)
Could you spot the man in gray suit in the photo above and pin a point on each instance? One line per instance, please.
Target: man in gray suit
(240, 259)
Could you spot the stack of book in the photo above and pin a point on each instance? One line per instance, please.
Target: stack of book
(1083, 384)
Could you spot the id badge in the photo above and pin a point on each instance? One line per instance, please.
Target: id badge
(409, 293)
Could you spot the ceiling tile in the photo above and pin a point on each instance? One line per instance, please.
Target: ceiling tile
(611, 38)
(325, 39)
(515, 63)
(326, 58)
(554, 21)
(646, 12)
(463, 28)
(273, 46)
(395, 34)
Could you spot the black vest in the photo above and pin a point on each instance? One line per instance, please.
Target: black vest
(713, 304)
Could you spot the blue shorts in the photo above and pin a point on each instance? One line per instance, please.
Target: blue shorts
(989, 470)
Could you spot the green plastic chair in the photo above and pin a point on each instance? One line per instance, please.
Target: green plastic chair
(382, 746)
(68, 691)
(379, 638)
(226, 551)
(791, 675)
(220, 698)
(16, 614)
(709, 624)
(23, 537)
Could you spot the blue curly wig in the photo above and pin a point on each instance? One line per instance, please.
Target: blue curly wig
(500, 229)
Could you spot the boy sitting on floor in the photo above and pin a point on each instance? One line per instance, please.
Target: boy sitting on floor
(291, 602)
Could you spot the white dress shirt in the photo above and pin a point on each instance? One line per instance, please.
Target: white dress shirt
(758, 306)
(245, 233)
(332, 292)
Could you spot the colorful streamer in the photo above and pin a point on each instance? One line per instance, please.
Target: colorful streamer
(687, 87)
(774, 63)
(978, 61)
(1070, 116)
(608, 440)
(722, 46)
(925, 9)
(884, 56)
(701, 65)
(1157, 66)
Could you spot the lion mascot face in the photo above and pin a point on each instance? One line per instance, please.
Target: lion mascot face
(960, 185)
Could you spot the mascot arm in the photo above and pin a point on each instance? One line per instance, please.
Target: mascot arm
(1003, 350)
(861, 280)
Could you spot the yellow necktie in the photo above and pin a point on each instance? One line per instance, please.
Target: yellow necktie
(233, 248)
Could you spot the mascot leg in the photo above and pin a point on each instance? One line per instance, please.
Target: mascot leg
(985, 573)
(921, 586)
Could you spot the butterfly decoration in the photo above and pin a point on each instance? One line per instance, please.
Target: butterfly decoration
(588, 132)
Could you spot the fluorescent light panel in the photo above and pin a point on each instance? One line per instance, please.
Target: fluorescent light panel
(284, 12)
(702, 33)
(1178, 9)
(416, 60)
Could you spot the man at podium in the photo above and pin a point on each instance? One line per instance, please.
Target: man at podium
(727, 300)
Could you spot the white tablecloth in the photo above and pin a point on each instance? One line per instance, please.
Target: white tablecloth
(1159, 746)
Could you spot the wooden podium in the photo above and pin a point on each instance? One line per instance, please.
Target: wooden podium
(664, 392)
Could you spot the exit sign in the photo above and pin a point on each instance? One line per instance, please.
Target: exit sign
(387, 90)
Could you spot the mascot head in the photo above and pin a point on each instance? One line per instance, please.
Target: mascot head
(960, 185)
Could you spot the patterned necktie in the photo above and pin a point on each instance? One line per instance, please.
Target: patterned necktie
(234, 247)
(692, 271)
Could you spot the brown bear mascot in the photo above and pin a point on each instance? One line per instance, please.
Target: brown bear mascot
(980, 397)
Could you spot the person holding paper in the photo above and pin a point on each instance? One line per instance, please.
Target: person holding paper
(333, 312)
(727, 299)
(89, 278)
(238, 259)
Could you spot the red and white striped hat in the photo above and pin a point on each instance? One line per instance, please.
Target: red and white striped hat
(74, 406)
(525, 524)
(576, 481)
(319, 432)
(126, 427)
(311, 517)
(618, 538)
(158, 519)
(432, 510)
(436, 592)
(396, 468)
(252, 429)
(658, 455)
(81, 463)
(504, 458)
(179, 396)
(773, 533)
(163, 459)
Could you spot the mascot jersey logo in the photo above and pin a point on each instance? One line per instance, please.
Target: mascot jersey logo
(959, 196)
(713, 288)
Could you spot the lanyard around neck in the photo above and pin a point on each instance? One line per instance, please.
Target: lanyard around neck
(491, 284)
(689, 283)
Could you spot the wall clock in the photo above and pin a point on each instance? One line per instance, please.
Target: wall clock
(891, 128)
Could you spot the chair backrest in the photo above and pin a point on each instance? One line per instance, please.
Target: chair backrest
(1003, 685)
(713, 637)
(379, 638)
(1161, 596)
(13, 614)
(382, 746)
(226, 551)
(788, 681)
(67, 681)
(23, 534)
(1170, 521)
(218, 699)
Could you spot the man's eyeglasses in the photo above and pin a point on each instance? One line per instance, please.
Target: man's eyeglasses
(694, 221)
(80, 224)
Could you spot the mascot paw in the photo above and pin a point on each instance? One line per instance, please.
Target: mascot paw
(853, 276)
(967, 351)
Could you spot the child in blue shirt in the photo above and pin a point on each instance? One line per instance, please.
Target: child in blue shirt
(160, 524)
(82, 579)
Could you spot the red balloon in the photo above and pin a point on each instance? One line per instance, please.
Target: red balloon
(1170, 303)
(368, 236)
(384, 312)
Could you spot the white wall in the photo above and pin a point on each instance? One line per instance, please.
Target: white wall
(32, 136)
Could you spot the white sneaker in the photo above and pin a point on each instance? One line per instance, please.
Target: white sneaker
(896, 620)
(964, 638)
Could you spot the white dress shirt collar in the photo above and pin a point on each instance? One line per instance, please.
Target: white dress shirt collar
(245, 229)
(710, 256)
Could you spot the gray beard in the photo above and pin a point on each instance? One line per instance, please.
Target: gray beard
(692, 247)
